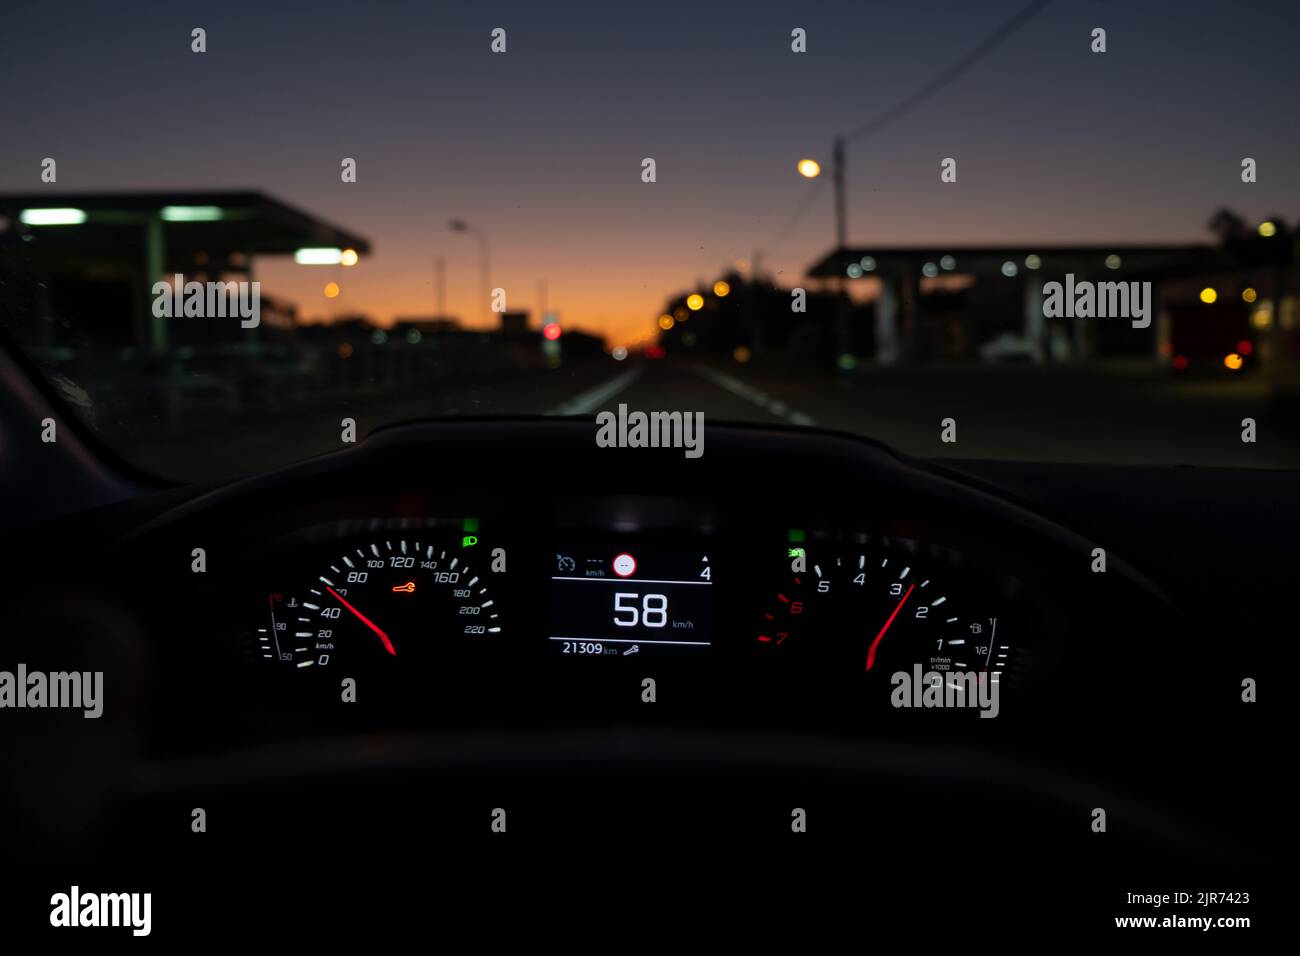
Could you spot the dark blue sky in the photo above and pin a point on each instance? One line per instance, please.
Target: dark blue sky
(541, 147)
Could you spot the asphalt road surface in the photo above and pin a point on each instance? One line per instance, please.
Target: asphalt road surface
(1099, 415)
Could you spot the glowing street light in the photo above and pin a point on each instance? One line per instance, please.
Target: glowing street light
(809, 168)
(192, 213)
(695, 302)
(52, 217)
(318, 257)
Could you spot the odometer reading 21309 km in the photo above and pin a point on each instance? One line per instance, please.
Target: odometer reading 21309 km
(391, 599)
(612, 602)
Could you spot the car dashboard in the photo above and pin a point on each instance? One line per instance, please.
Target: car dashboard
(382, 594)
(449, 614)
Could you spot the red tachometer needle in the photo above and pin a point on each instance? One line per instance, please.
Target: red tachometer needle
(388, 645)
(871, 651)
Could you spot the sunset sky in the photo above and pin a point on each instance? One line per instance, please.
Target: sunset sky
(541, 147)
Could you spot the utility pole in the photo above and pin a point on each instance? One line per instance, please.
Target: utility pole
(460, 225)
(841, 332)
(837, 179)
(439, 287)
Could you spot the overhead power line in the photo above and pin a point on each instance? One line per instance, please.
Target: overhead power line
(901, 108)
(991, 43)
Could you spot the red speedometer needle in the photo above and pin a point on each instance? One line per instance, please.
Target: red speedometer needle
(388, 645)
(871, 651)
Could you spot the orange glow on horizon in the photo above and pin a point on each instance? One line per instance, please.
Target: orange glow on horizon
(615, 305)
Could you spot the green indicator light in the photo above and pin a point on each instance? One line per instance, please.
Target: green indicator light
(468, 541)
(795, 536)
(795, 553)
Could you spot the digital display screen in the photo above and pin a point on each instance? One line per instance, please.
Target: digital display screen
(626, 600)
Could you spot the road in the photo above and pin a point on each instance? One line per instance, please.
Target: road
(1103, 416)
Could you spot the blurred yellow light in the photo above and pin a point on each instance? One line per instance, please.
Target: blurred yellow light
(1262, 318)
(809, 168)
(1267, 229)
(741, 354)
(1233, 361)
(349, 257)
(331, 290)
(695, 301)
(1208, 295)
(721, 289)
(1248, 294)
(666, 322)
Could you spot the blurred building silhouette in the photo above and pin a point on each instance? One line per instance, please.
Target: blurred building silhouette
(77, 273)
(932, 302)
(80, 267)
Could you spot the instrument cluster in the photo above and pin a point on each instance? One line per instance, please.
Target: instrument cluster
(907, 617)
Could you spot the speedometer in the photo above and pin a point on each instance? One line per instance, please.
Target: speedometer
(385, 599)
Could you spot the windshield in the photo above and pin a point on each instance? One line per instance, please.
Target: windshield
(1021, 231)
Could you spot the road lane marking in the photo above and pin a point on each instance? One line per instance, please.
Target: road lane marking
(750, 394)
(593, 398)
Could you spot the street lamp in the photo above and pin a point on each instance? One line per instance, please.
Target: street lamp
(460, 225)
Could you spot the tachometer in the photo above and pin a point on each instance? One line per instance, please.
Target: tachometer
(881, 608)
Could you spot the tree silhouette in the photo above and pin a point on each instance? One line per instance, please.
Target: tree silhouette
(1228, 227)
